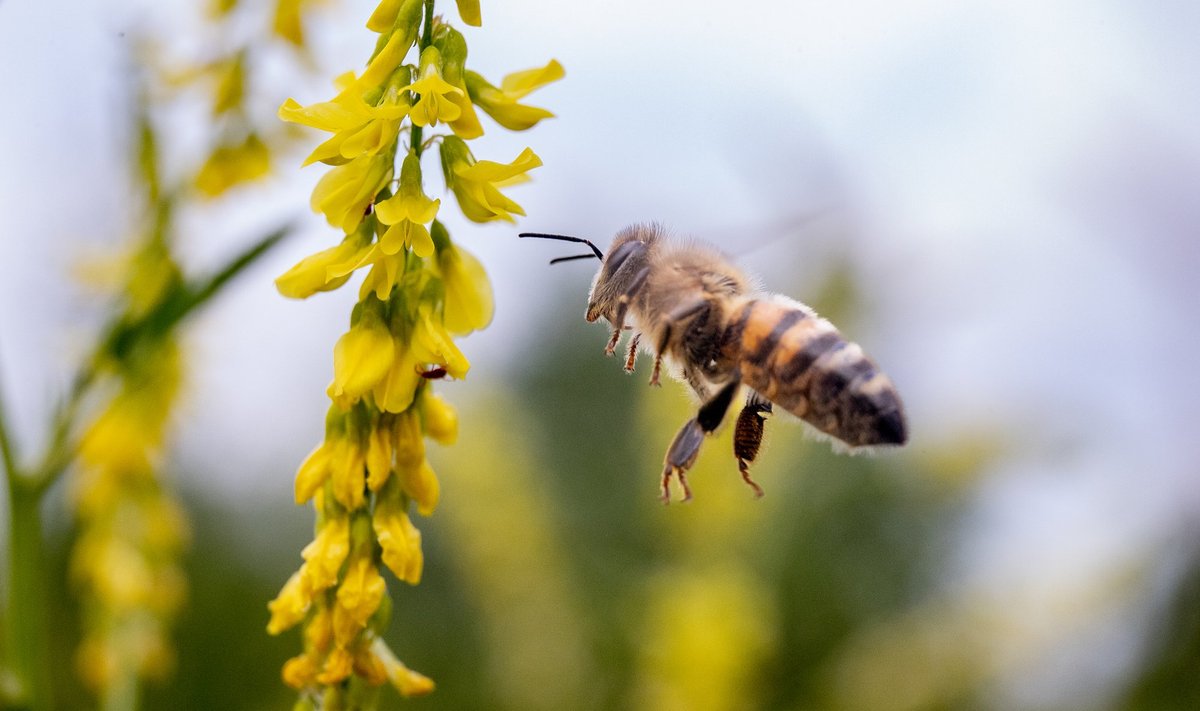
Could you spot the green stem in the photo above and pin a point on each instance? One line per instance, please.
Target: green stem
(8, 453)
(28, 638)
(60, 451)
(425, 40)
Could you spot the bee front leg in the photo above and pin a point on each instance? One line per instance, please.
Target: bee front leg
(748, 434)
(618, 320)
(686, 445)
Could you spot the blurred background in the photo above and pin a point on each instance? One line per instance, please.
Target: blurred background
(998, 200)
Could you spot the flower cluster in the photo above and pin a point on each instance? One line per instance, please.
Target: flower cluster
(125, 562)
(132, 530)
(420, 292)
(241, 150)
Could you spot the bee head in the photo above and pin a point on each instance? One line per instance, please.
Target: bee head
(625, 262)
(620, 272)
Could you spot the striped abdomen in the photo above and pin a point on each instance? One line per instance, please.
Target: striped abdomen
(800, 362)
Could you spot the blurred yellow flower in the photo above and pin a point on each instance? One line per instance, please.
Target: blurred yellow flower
(231, 165)
(231, 83)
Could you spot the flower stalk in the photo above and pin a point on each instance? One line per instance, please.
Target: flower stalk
(420, 292)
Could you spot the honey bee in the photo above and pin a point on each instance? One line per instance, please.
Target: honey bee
(717, 332)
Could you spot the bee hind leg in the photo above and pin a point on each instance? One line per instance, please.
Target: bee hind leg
(686, 445)
(748, 435)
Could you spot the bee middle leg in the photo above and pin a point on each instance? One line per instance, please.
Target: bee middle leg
(684, 312)
(748, 434)
(686, 445)
(631, 355)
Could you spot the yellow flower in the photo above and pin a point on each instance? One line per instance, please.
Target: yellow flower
(299, 671)
(468, 304)
(432, 344)
(408, 443)
(324, 556)
(394, 393)
(439, 418)
(324, 271)
(417, 478)
(475, 182)
(405, 15)
(379, 457)
(313, 472)
(359, 127)
(404, 27)
(398, 537)
(422, 485)
(318, 633)
(406, 681)
(407, 212)
(346, 472)
(370, 667)
(362, 356)
(341, 113)
(337, 667)
(358, 597)
(290, 605)
(344, 193)
(385, 269)
(501, 103)
(435, 102)
(453, 48)
(469, 11)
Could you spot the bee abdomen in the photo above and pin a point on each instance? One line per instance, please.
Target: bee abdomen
(802, 363)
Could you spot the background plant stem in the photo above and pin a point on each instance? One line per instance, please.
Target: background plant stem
(27, 617)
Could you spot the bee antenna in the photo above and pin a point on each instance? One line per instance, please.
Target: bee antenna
(565, 238)
(572, 258)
